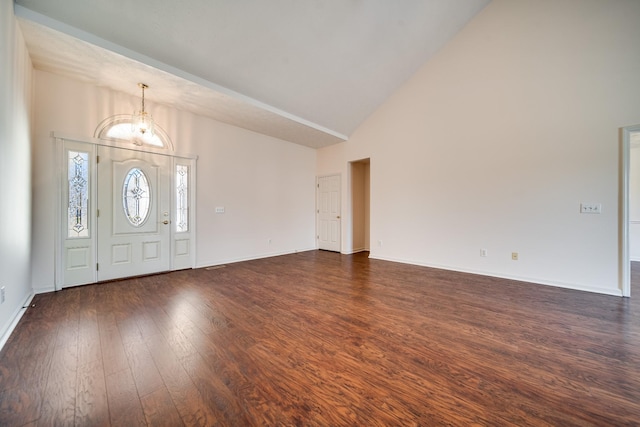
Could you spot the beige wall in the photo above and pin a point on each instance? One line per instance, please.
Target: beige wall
(495, 142)
(15, 168)
(266, 185)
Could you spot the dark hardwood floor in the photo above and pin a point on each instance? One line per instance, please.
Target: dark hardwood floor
(323, 339)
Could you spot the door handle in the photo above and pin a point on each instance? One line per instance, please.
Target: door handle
(338, 217)
(165, 222)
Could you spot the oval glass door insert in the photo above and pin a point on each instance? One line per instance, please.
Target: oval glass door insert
(136, 197)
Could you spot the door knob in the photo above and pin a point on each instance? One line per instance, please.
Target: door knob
(338, 217)
(165, 222)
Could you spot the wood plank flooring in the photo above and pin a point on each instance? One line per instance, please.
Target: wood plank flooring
(323, 339)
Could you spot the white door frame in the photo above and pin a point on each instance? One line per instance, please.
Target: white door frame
(353, 219)
(184, 243)
(625, 259)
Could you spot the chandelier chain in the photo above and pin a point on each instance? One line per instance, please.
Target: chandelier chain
(143, 87)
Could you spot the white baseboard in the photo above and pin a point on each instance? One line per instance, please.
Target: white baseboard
(43, 289)
(249, 258)
(576, 287)
(17, 315)
(354, 251)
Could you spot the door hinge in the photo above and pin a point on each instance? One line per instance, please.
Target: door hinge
(97, 267)
(97, 159)
(97, 212)
(317, 237)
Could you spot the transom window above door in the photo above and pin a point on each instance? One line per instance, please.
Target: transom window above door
(122, 128)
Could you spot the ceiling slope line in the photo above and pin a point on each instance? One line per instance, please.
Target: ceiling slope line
(28, 14)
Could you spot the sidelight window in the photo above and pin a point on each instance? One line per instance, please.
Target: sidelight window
(78, 179)
(182, 198)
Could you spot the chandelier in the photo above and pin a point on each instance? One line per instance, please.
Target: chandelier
(142, 122)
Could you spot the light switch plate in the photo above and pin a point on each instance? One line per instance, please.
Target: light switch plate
(220, 209)
(591, 208)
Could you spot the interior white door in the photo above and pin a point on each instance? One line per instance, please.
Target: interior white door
(133, 213)
(329, 213)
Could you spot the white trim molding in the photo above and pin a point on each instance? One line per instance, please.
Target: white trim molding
(17, 315)
(624, 266)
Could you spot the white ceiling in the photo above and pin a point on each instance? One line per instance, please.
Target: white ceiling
(306, 71)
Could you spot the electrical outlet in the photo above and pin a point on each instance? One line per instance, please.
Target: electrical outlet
(2, 295)
(514, 256)
(483, 252)
(269, 241)
(379, 242)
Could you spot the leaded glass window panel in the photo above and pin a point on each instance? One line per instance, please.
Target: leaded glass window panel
(136, 197)
(182, 198)
(78, 178)
(124, 131)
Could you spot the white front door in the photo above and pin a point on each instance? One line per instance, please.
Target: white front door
(133, 213)
(329, 213)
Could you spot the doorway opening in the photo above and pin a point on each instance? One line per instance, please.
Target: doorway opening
(360, 173)
(630, 212)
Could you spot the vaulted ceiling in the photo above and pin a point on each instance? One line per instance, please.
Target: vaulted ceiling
(306, 71)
